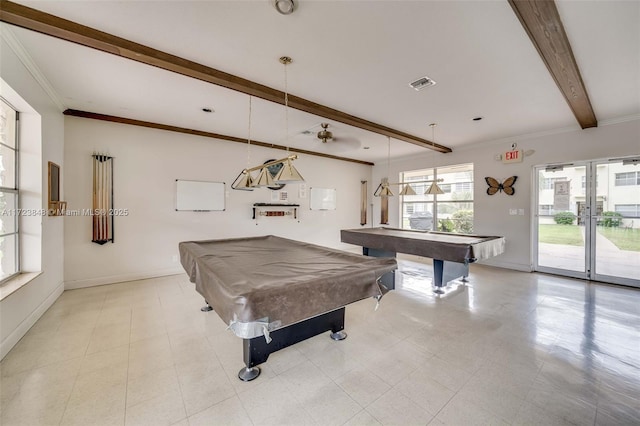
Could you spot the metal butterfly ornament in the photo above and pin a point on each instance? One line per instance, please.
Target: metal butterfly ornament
(506, 185)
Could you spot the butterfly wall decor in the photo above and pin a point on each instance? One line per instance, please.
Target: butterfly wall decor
(506, 185)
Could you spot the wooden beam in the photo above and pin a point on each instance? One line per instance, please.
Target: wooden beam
(541, 20)
(158, 126)
(35, 20)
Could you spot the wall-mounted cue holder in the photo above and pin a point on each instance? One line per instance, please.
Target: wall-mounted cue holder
(102, 211)
(266, 209)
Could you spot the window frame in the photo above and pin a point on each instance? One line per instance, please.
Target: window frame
(636, 214)
(432, 204)
(632, 179)
(16, 192)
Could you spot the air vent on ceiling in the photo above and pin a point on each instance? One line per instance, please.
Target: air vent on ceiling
(422, 83)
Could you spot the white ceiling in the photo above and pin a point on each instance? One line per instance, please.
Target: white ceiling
(354, 56)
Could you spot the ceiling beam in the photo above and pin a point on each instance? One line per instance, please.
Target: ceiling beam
(541, 21)
(35, 20)
(158, 126)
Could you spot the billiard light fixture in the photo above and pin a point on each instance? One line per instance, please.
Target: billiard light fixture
(287, 173)
(384, 191)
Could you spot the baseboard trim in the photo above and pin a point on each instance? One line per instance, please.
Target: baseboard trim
(17, 334)
(508, 265)
(92, 282)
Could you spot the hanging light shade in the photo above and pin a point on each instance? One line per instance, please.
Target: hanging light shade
(246, 181)
(264, 178)
(386, 192)
(407, 190)
(288, 173)
(434, 189)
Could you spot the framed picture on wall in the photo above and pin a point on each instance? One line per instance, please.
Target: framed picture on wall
(55, 205)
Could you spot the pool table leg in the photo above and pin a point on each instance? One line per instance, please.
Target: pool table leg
(445, 271)
(256, 350)
(438, 272)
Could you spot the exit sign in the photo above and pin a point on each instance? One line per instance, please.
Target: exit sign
(514, 156)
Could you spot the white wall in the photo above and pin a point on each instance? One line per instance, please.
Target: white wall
(147, 163)
(492, 212)
(42, 247)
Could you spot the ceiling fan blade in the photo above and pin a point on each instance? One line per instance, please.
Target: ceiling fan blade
(345, 143)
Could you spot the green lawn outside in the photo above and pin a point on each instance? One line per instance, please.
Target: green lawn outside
(569, 235)
(623, 238)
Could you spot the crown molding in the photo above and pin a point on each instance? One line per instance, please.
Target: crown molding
(524, 137)
(14, 44)
(618, 120)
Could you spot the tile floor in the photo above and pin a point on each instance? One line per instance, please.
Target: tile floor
(509, 348)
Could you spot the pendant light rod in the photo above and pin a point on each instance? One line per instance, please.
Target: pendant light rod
(417, 181)
(271, 163)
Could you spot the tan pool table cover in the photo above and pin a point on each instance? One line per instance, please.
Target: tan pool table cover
(248, 279)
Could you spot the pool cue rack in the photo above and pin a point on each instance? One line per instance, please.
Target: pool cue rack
(266, 209)
(102, 205)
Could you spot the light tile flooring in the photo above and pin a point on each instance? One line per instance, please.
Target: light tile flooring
(509, 348)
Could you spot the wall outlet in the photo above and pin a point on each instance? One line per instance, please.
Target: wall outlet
(513, 212)
(174, 258)
(520, 212)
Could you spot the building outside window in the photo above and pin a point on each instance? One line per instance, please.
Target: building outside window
(628, 210)
(546, 210)
(627, 179)
(548, 182)
(9, 237)
(448, 212)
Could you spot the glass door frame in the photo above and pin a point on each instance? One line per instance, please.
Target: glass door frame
(536, 223)
(592, 244)
(590, 219)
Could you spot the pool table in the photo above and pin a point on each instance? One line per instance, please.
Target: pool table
(451, 253)
(274, 292)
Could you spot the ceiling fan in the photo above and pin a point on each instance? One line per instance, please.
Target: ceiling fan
(338, 143)
(325, 135)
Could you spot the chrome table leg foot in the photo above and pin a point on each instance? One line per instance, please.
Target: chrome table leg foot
(247, 374)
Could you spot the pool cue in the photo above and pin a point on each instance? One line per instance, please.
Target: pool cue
(98, 195)
(105, 230)
(107, 225)
(363, 202)
(95, 200)
(100, 190)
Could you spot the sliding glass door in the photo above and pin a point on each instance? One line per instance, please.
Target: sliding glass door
(588, 220)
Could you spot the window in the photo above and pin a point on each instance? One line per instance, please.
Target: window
(9, 240)
(627, 179)
(547, 183)
(449, 212)
(463, 186)
(446, 188)
(546, 210)
(628, 210)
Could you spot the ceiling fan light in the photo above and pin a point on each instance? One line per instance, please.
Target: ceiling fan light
(407, 190)
(434, 189)
(288, 174)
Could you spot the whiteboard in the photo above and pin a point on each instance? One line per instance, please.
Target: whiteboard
(193, 195)
(322, 199)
